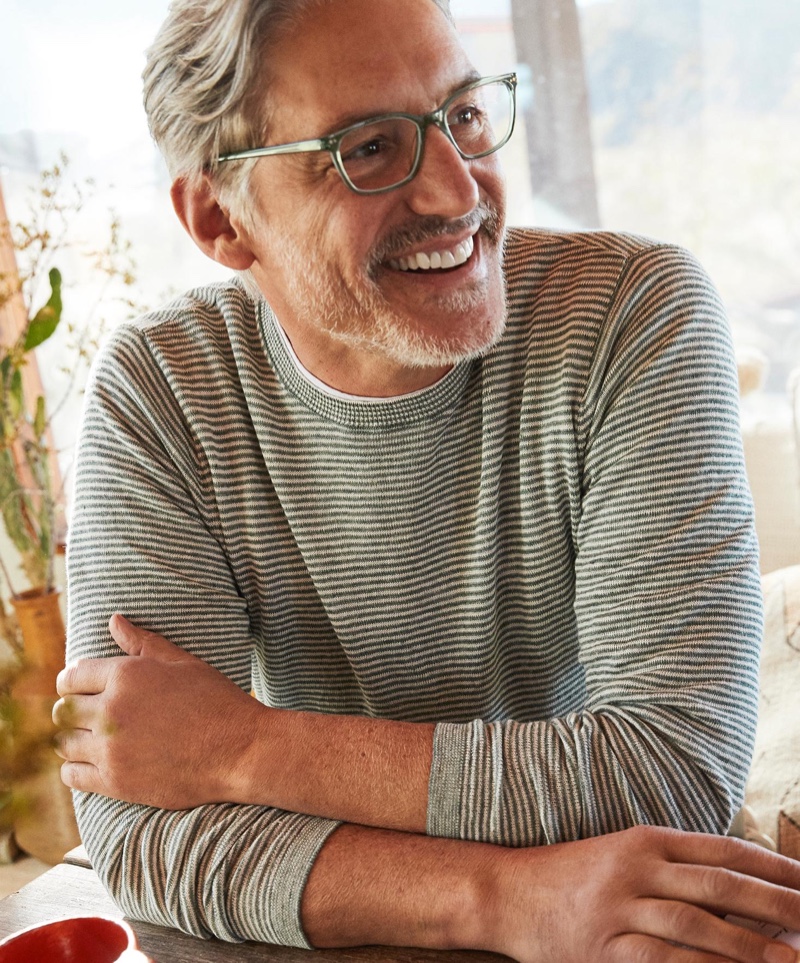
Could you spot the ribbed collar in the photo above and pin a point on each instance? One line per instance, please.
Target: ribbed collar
(360, 413)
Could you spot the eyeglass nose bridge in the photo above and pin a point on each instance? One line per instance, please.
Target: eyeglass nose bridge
(436, 118)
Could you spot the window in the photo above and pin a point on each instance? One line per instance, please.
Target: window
(680, 121)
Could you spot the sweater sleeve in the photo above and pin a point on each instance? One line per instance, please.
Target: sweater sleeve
(141, 544)
(667, 595)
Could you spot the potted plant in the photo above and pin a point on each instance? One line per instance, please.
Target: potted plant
(27, 495)
(31, 492)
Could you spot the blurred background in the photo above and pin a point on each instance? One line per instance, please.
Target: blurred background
(679, 120)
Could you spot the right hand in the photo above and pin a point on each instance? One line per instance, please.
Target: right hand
(644, 894)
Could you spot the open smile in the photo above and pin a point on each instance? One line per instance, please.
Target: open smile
(442, 260)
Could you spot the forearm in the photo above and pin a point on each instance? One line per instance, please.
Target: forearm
(372, 886)
(373, 772)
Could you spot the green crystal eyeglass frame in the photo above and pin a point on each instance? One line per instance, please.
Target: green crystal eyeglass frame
(437, 118)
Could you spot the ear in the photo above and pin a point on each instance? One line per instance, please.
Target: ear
(209, 225)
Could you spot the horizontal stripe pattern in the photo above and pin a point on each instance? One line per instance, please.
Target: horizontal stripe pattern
(550, 553)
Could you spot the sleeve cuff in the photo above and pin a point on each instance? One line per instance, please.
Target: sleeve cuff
(290, 869)
(451, 746)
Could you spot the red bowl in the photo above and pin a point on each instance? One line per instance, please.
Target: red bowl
(80, 939)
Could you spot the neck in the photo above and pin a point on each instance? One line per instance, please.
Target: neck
(359, 371)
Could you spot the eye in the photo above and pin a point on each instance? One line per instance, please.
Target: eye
(367, 149)
(465, 115)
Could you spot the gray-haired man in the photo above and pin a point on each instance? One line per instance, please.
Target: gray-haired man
(468, 516)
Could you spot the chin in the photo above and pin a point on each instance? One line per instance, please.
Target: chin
(459, 338)
(472, 324)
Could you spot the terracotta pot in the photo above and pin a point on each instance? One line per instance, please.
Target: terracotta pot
(46, 828)
(44, 639)
(81, 939)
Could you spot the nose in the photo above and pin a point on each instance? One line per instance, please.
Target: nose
(444, 183)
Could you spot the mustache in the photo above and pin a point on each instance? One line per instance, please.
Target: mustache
(432, 226)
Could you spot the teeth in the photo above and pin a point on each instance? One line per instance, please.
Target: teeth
(460, 254)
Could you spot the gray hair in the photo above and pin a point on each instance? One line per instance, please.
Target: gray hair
(203, 90)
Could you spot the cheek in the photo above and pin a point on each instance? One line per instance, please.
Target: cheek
(492, 182)
(344, 242)
(325, 222)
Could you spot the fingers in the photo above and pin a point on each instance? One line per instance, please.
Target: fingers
(86, 677)
(726, 891)
(91, 676)
(82, 776)
(647, 949)
(76, 712)
(76, 745)
(733, 854)
(136, 641)
(695, 927)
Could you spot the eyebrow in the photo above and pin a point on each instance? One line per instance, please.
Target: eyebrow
(347, 120)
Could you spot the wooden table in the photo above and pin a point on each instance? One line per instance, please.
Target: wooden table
(74, 889)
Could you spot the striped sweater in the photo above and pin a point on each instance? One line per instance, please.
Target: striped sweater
(550, 553)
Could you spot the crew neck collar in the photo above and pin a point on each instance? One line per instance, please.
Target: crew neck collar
(353, 410)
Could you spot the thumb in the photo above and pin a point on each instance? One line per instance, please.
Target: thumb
(135, 641)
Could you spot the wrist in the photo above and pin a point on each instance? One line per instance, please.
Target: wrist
(248, 755)
(381, 887)
(482, 908)
(517, 902)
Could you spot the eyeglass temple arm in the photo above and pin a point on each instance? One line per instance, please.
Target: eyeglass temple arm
(300, 147)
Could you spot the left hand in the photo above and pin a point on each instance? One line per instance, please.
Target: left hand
(157, 726)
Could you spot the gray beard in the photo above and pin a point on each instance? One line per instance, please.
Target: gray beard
(390, 335)
(364, 318)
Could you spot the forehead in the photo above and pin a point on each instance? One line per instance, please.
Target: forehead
(349, 59)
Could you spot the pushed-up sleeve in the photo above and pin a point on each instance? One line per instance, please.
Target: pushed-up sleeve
(141, 543)
(667, 595)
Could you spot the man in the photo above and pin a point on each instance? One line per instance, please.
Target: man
(470, 520)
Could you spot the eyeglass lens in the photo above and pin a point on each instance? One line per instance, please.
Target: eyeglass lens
(382, 154)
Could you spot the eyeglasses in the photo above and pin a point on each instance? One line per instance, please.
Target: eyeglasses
(382, 153)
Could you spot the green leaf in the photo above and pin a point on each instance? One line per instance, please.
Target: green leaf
(11, 500)
(40, 418)
(46, 319)
(16, 402)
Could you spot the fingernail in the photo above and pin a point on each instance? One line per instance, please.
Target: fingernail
(780, 953)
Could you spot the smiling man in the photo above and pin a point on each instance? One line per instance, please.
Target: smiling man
(464, 507)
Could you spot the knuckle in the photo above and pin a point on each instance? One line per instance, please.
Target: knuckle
(682, 919)
(65, 679)
(785, 904)
(64, 713)
(124, 673)
(714, 884)
(643, 835)
(637, 833)
(70, 775)
(111, 716)
(634, 948)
